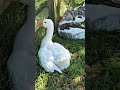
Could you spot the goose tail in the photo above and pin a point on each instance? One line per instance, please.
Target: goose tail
(50, 67)
(57, 69)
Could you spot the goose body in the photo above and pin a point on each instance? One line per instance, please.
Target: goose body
(72, 29)
(53, 56)
(73, 33)
(70, 26)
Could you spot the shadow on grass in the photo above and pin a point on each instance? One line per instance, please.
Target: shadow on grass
(103, 55)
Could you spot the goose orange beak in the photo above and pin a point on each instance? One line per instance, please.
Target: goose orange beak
(62, 20)
(40, 24)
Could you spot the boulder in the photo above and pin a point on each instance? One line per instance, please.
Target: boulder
(102, 17)
(21, 63)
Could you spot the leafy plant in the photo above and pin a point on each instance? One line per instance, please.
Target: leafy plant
(74, 3)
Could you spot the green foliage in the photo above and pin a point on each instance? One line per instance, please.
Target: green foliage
(38, 3)
(74, 3)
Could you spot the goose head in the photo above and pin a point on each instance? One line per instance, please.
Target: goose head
(47, 23)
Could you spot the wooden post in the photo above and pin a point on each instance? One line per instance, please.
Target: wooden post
(52, 6)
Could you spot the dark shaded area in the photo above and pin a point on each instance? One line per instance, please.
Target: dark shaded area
(99, 43)
(103, 57)
(102, 48)
(11, 21)
(104, 2)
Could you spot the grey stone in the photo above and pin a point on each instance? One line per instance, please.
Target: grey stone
(21, 63)
(98, 11)
(102, 17)
(108, 23)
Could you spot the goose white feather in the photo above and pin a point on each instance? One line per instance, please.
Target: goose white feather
(53, 56)
(64, 22)
(79, 20)
(73, 33)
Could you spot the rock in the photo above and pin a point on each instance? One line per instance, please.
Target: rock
(21, 63)
(108, 23)
(94, 12)
(103, 17)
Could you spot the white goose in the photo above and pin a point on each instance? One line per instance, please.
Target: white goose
(74, 30)
(53, 56)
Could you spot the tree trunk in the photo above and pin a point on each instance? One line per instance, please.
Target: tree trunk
(53, 6)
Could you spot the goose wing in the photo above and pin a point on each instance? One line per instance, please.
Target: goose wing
(59, 52)
(46, 60)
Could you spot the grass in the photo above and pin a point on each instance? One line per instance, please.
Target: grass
(103, 56)
(71, 78)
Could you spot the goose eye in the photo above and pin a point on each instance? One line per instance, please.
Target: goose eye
(45, 22)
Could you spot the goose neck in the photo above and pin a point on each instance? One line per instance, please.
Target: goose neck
(49, 33)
